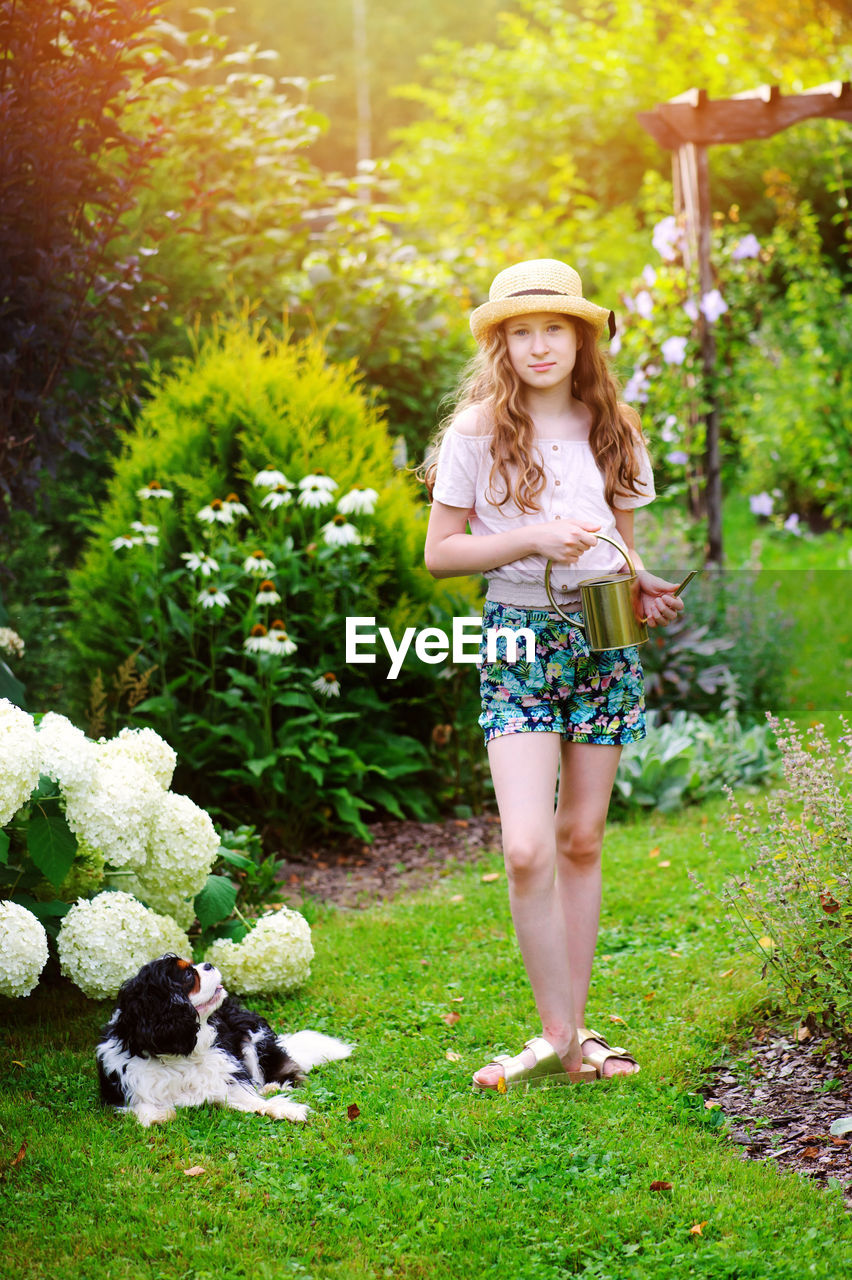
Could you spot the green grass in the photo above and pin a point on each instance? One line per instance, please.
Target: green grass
(431, 1179)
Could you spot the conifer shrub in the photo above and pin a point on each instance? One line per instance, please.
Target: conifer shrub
(255, 507)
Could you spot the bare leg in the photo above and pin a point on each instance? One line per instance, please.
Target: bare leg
(586, 779)
(524, 767)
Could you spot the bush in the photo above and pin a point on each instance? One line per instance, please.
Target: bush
(291, 733)
(793, 907)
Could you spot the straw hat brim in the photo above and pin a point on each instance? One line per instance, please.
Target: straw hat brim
(493, 313)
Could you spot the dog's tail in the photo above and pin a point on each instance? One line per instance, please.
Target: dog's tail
(310, 1049)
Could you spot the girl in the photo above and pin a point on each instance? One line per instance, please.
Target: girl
(538, 459)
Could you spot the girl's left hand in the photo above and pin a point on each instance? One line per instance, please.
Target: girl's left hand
(657, 604)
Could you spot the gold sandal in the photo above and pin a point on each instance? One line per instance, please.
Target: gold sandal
(602, 1051)
(545, 1071)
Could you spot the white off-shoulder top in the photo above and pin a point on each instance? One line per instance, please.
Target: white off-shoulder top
(574, 490)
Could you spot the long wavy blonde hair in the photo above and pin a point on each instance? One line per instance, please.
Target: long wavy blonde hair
(490, 381)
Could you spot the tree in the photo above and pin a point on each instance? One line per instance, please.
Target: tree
(68, 173)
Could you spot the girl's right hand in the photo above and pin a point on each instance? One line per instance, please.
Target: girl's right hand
(563, 540)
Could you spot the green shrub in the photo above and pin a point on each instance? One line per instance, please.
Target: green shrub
(793, 906)
(256, 731)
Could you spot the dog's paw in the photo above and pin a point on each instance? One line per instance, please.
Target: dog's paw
(281, 1107)
(153, 1115)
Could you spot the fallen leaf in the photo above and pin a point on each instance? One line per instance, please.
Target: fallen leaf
(501, 1085)
(16, 1063)
(804, 1033)
(661, 1186)
(19, 1158)
(491, 877)
(353, 1111)
(457, 897)
(613, 1017)
(655, 852)
(768, 944)
(840, 1142)
(452, 1056)
(711, 1105)
(695, 1229)
(457, 999)
(728, 973)
(649, 996)
(829, 903)
(451, 1018)
(664, 863)
(194, 1171)
(809, 1153)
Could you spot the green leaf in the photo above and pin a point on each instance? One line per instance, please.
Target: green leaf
(235, 859)
(216, 901)
(4, 847)
(10, 686)
(51, 845)
(840, 1126)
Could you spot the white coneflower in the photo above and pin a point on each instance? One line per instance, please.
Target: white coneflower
(212, 597)
(154, 490)
(257, 641)
(257, 563)
(327, 685)
(198, 562)
(216, 512)
(234, 506)
(316, 490)
(266, 593)
(124, 540)
(271, 479)
(340, 533)
(279, 641)
(358, 502)
(277, 497)
(149, 533)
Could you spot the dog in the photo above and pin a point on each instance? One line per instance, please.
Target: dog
(177, 1039)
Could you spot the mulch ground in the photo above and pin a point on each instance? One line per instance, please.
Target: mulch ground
(781, 1096)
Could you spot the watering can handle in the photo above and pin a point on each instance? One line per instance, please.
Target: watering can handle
(549, 569)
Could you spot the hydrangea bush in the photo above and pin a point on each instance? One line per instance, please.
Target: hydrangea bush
(100, 856)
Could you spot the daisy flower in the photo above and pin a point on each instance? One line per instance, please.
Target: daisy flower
(147, 532)
(270, 479)
(216, 512)
(257, 641)
(125, 541)
(339, 533)
(358, 502)
(153, 490)
(279, 641)
(198, 562)
(277, 497)
(327, 685)
(258, 563)
(212, 597)
(235, 507)
(316, 490)
(266, 593)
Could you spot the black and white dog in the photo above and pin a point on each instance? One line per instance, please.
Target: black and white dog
(177, 1039)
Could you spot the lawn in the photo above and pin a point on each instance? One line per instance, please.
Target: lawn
(403, 1171)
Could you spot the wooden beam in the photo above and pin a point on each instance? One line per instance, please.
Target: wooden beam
(757, 113)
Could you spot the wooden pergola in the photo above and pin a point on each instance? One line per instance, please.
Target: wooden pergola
(688, 126)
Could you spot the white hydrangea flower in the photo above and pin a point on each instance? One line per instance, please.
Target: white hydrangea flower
(145, 748)
(275, 956)
(67, 755)
(23, 949)
(19, 759)
(182, 848)
(164, 901)
(105, 940)
(114, 809)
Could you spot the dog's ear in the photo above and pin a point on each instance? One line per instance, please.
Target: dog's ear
(154, 1015)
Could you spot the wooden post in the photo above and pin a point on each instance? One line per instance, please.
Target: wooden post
(712, 465)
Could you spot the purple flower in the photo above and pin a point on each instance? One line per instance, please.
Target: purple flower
(691, 309)
(748, 247)
(667, 238)
(712, 306)
(677, 458)
(761, 504)
(674, 350)
(644, 304)
(637, 387)
(791, 524)
(649, 275)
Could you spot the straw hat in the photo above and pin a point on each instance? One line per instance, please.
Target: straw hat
(544, 284)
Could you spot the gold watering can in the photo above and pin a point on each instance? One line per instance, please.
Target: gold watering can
(610, 618)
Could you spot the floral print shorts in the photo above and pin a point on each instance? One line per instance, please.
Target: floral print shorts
(566, 689)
